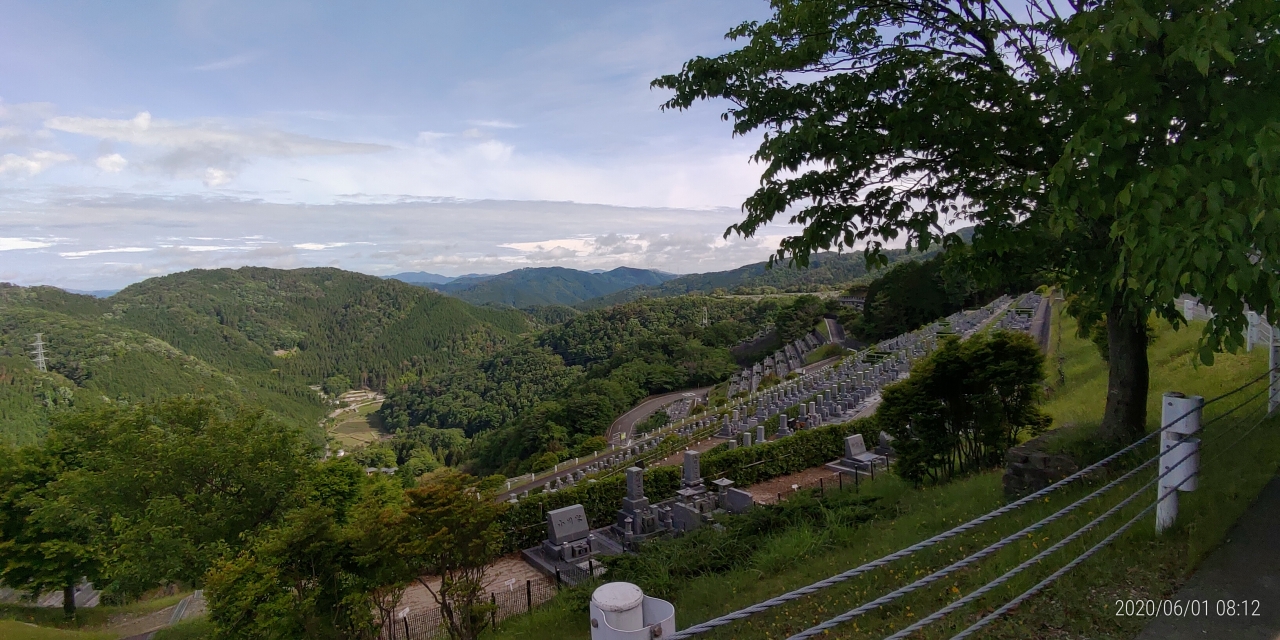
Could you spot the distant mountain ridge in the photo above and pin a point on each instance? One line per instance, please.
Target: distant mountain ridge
(825, 269)
(541, 286)
(420, 277)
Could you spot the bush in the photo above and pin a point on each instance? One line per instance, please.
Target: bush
(964, 405)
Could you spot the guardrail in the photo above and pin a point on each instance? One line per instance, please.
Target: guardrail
(1178, 463)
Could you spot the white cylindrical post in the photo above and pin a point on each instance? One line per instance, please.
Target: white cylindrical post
(1179, 454)
(621, 611)
(622, 605)
(1251, 335)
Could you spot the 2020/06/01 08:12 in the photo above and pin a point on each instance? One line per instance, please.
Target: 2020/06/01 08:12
(1192, 608)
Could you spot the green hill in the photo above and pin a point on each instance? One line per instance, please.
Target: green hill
(93, 358)
(252, 335)
(312, 323)
(541, 286)
(825, 270)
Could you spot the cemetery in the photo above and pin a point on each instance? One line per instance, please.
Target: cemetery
(836, 395)
(571, 547)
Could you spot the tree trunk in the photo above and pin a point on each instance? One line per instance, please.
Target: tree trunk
(69, 601)
(1125, 418)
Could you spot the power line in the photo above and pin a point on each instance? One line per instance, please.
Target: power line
(38, 353)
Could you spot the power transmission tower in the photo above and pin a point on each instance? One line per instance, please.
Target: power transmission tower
(38, 352)
(706, 317)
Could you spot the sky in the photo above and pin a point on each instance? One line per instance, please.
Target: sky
(143, 138)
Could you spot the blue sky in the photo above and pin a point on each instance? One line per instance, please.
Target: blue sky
(141, 138)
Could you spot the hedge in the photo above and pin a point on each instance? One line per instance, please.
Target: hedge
(525, 522)
(805, 449)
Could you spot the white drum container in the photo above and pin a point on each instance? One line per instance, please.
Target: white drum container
(622, 604)
(621, 611)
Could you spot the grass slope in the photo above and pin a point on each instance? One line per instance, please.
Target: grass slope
(1139, 565)
(10, 630)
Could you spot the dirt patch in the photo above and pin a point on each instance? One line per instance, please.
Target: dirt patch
(509, 573)
(769, 491)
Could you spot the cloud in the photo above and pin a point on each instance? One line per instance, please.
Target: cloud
(105, 236)
(16, 244)
(427, 137)
(313, 246)
(494, 124)
(113, 163)
(95, 252)
(32, 164)
(214, 177)
(567, 246)
(210, 150)
(142, 129)
(227, 63)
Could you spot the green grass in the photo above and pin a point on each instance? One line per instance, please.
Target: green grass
(193, 629)
(11, 630)
(86, 618)
(1140, 564)
(362, 427)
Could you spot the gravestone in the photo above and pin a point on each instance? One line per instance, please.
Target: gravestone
(737, 501)
(567, 524)
(692, 470)
(783, 429)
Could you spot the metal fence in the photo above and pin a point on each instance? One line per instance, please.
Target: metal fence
(424, 624)
(833, 481)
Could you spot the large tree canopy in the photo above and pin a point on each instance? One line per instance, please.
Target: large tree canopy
(1129, 150)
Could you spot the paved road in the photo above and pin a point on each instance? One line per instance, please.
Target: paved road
(626, 423)
(630, 418)
(1245, 568)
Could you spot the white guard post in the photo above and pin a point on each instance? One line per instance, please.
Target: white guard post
(1176, 444)
(1251, 334)
(621, 611)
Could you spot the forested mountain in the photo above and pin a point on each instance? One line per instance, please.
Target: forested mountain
(420, 278)
(541, 286)
(553, 397)
(93, 358)
(313, 323)
(825, 269)
(252, 335)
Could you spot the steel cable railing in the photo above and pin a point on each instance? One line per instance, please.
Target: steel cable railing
(1020, 598)
(938, 615)
(946, 535)
(1009, 575)
(993, 548)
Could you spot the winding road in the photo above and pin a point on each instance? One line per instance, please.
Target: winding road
(624, 427)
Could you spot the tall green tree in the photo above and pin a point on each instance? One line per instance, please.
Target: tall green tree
(1131, 150)
(328, 569)
(47, 542)
(169, 488)
(450, 532)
